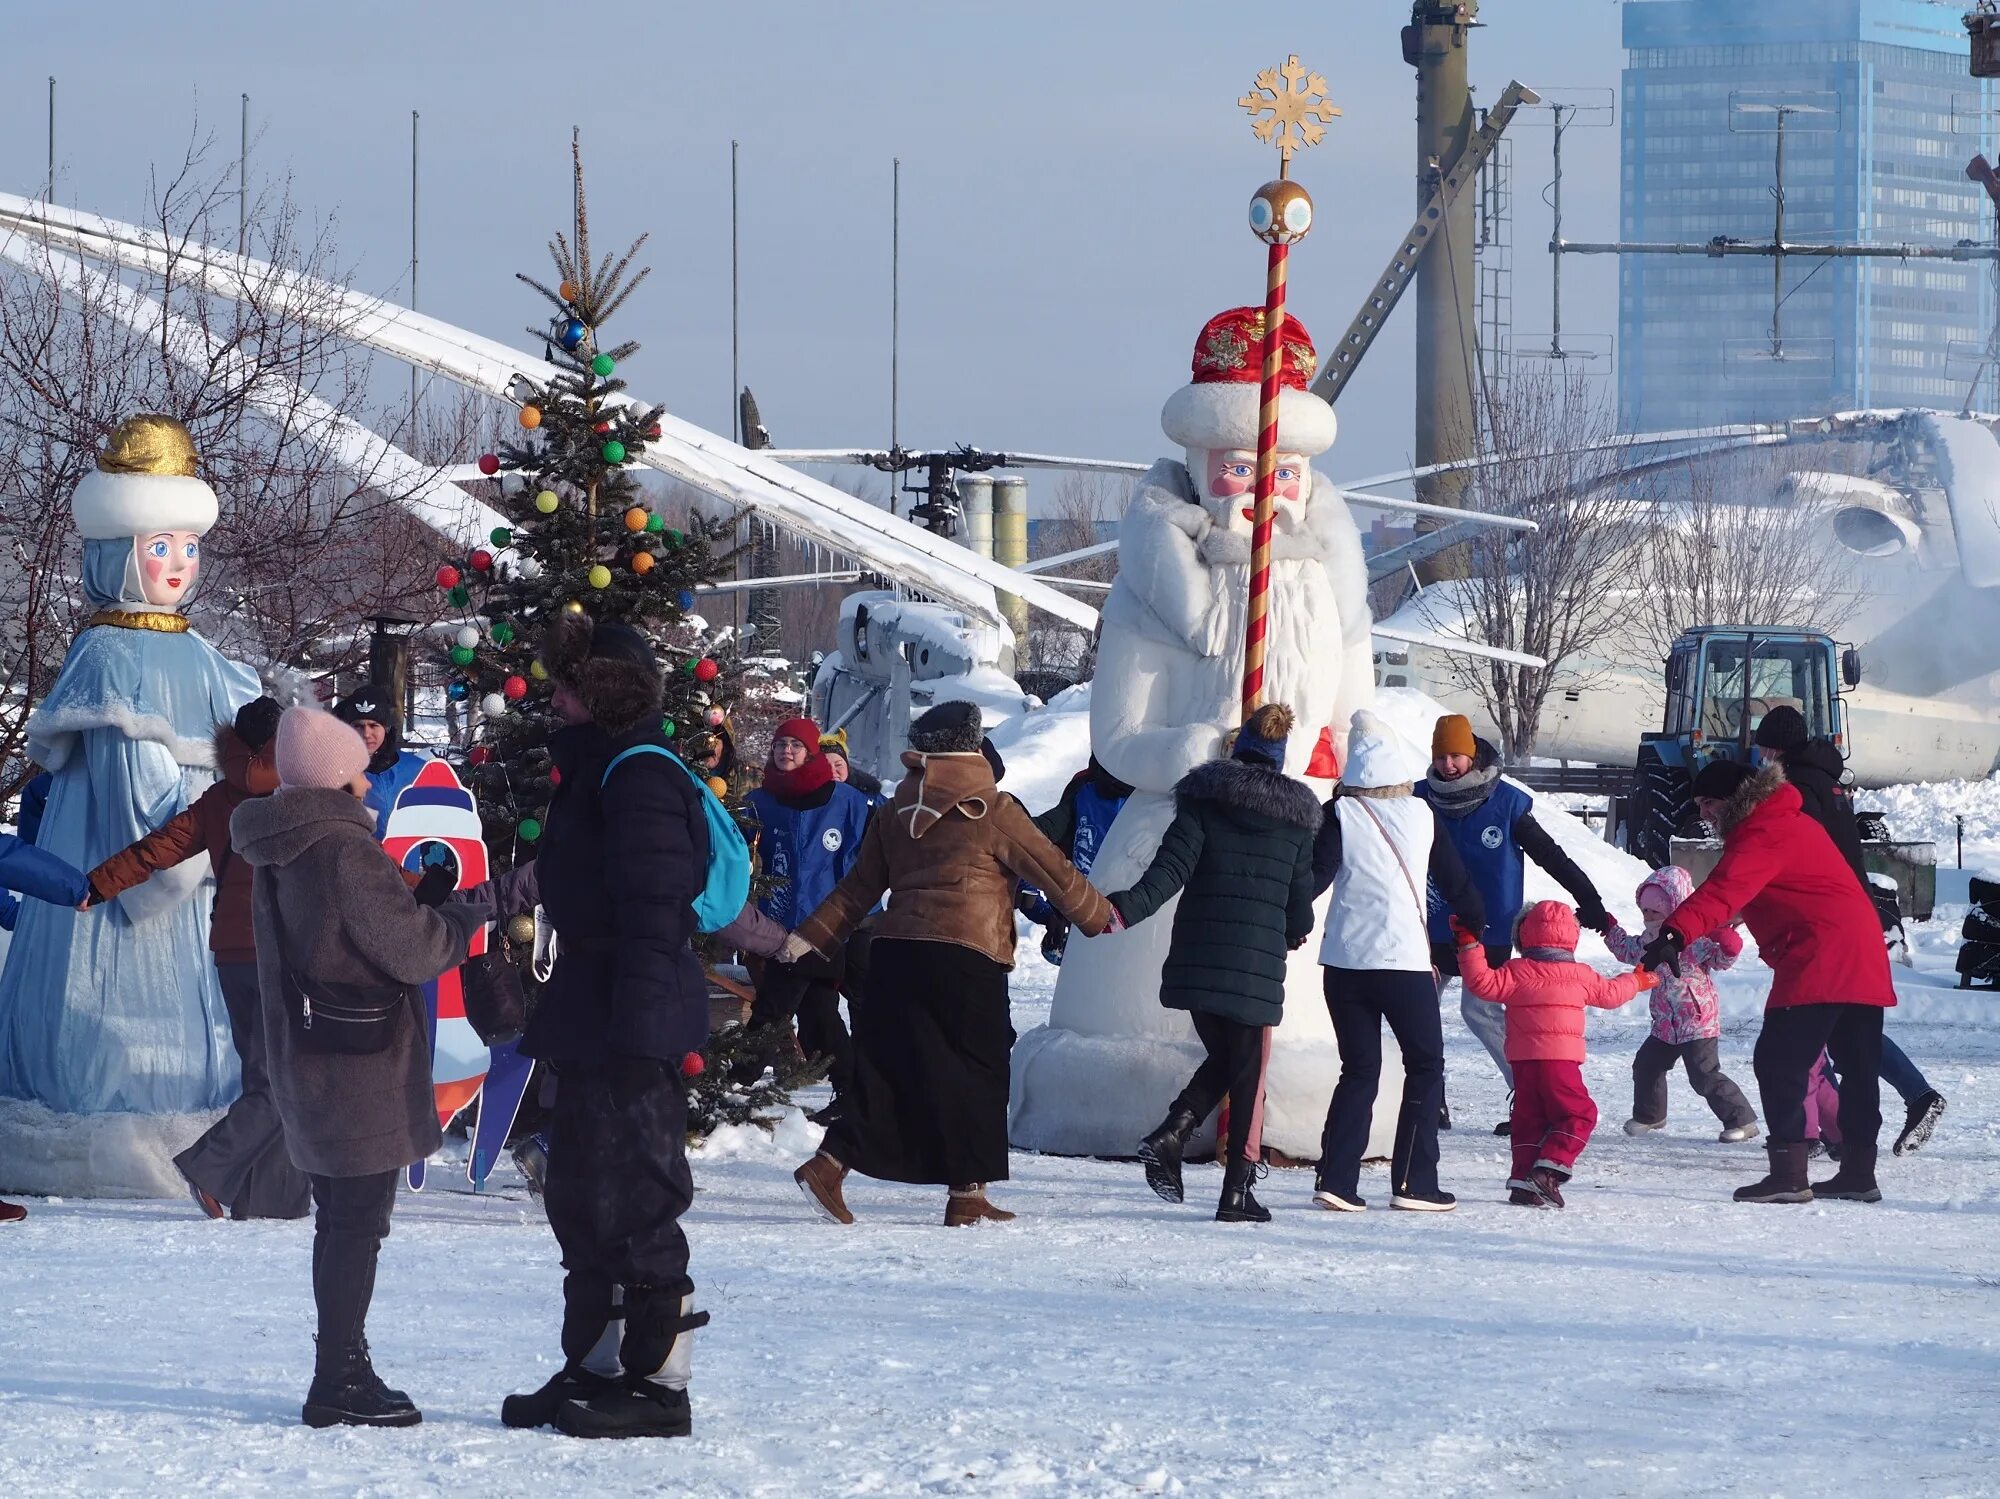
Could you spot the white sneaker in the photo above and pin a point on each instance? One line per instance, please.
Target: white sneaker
(1333, 1202)
(1738, 1132)
(1641, 1127)
(1424, 1202)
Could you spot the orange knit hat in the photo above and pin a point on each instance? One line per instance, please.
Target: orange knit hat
(1453, 736)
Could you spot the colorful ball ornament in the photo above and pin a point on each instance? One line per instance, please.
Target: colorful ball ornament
(462, 655)
(531, 417)
(530, 829)
(642, 563)
(600, 428)
(602, 366)
(503, 633)
(489, 464)
(635, 519)
(481, 560)
(538, 671)
(714, 718)
(599, 577)
(568, 291)
(692, 1065)
(705, 670)
(493, 705)
(668, 728)
(515, 688)
(653, 432)
(479, 754)
(447, 576)
(467, 636)
(676, 537)
(572, 334)
(655, 524)
(459, 595)
(686, 599)
(501, 536)
(574, 606)
(719, 786)
(530, 568)
(521, 930)
(547, 501)
(458, 692)
(613, 451)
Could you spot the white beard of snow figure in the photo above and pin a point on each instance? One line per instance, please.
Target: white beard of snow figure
(1167, 692)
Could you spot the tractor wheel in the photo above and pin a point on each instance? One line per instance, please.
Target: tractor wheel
(1662, 804)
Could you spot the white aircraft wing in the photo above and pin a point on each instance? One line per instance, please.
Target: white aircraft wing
(1453, 645)
(713, 464)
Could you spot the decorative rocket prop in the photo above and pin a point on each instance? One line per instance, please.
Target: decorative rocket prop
(436, 808)
(1289, 109)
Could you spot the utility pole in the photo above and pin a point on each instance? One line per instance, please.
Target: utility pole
(895, 295)
(413, 261)
(52, 140)
(735, 345)
(243, 182)
(1434, 43)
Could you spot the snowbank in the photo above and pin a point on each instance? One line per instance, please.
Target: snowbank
(118, 1155)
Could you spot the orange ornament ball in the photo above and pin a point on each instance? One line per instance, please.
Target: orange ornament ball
(642, 563)
(719, 786)
(531, 417)
(635, 519)
(568, 291)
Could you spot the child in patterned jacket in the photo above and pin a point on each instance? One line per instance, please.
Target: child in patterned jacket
(1687, 1014)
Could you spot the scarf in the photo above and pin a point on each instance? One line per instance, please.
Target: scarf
(793, 785)
(1467, 794)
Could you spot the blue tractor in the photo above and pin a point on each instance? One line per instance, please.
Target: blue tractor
(1721, 681)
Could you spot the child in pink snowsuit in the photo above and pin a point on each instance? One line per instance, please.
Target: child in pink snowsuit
(1822, 1108)
(1687, 1014)
(1546, 991)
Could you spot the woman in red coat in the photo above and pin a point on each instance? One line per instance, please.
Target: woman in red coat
(1817, 930)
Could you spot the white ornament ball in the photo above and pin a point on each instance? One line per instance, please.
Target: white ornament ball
(468, 637)
(529, 568)
(493, 705)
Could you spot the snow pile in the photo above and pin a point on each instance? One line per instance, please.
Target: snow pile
(119, 1155)
(1045, 748)
(1930, 813)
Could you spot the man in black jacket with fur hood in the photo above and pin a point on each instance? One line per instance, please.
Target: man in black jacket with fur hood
(623, 859)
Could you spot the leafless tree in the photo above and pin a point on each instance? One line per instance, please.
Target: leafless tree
(1081, 509)
(1556, 592)
(303, 550)
(1734, 543)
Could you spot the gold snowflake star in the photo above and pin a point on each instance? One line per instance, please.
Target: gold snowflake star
(1289, 109)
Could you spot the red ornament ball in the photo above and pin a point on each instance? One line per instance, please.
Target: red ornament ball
(489, 464)
(447, 576)
(601, 428)
(705, 670)
(482, 560)
(653, 432)
(692, 1065)
(479, 754)
(515, 688)
(555, 775)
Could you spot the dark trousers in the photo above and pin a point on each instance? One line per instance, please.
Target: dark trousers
(1359, 1001)
(242, 1162)
(810, 991)
(617, 1184)
(1232, 1070)
(1703, 1060)
(349, 1225)
(1788, 1046)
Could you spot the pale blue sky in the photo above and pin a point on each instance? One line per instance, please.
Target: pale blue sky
(1074, 181)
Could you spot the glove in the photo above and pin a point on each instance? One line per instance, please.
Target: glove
(1664, 951)
(435, 887)
(1054, 939)
(1461, 935)
(1593, 915)
(1116, 923)
(1647, 981)
(795, 947)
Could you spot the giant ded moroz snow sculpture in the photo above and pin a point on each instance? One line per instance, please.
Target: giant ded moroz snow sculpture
(1167, 693)
(114, 1044)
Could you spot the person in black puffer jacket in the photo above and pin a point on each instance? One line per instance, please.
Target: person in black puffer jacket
(624, 856)
(1240, 854)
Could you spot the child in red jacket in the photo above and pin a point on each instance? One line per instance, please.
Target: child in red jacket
(1545, 991)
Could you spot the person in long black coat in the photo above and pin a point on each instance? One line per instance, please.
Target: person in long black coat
(623, 858)
(1239, 853)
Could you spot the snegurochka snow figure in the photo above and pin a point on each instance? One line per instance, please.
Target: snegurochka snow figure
(1167, 694)
(115, 1014)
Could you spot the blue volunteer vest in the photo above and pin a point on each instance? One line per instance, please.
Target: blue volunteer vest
(1485, 843)
(806, 851)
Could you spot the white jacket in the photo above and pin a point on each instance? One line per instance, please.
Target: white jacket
(1377, 919)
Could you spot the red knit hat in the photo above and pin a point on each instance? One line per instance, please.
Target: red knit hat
(802, 729)
(1219, 409)
(1550, 923)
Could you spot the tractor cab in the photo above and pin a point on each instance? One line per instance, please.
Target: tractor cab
(1721, 682)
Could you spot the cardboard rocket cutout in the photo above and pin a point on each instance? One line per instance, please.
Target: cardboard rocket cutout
(436, 808)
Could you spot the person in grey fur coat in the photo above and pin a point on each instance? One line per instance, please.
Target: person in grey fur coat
(330, 907)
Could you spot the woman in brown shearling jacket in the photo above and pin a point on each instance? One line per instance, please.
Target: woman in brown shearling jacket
(932, 1040)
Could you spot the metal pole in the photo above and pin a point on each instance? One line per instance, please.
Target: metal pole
(1436, 42)
(735, 347)
(895, 285)
(243, 181)
(413, 257)
(52, 139)
(1556, 201)
(1778, 247)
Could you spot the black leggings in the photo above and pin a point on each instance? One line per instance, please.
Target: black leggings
(1233, 1068)
(348, 1229)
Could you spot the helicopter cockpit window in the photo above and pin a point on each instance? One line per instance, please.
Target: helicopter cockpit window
(861, 632)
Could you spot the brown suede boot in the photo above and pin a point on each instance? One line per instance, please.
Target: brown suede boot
(968, 1205)
(820, 1179)
(12, 1212)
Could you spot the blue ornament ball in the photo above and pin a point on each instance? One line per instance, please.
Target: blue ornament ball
(572, 333)
(456, 691)
(686, 599)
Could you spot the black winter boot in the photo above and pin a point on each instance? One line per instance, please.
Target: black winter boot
(346, 1391)
(1921, 1119)
(1787, 1179)
(1237, 1204)
(631, 1408)
(539, 1408)
(1855, 1180)
(1160, 1153)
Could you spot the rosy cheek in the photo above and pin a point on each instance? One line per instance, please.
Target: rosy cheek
(153, 568)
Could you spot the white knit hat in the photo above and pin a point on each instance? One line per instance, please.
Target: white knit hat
(1377, 755)
(144, 482)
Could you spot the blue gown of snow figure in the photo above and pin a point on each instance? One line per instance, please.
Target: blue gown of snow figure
(117, 1009)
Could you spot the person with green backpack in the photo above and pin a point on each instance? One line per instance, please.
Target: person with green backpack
(631, 865)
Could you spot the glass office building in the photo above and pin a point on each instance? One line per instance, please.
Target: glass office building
(1880, 117)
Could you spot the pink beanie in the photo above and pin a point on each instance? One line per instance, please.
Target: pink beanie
(317, 749)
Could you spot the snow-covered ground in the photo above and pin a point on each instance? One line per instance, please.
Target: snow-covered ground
(1655, 1338)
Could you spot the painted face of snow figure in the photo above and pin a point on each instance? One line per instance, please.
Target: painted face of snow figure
(168, 562)
(1229, 489)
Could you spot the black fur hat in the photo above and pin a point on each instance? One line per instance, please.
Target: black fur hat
(948, 729)
(257, 721)
(609, 666)
(1721, 779)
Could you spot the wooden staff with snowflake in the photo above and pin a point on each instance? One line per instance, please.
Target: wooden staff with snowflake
(1289, 109)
